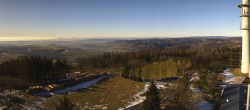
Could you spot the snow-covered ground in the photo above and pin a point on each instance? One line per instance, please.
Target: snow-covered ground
(196, 78)
(161, 85)
(139, 97)
(37, 104)
(204, 105)
(230, 78)
(28, 107)
(8, 92)
(83, 85)
(195, 90)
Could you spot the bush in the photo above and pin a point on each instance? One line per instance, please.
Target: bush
(65, 104)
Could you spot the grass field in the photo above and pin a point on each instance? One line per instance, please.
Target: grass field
(111, 94)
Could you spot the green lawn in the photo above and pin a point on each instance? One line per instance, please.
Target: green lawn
(111, 94)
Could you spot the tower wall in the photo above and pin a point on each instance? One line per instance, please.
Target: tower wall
(245, 36)
(245, 52)
(245, 1)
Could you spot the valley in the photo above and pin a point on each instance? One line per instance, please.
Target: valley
(93, 77)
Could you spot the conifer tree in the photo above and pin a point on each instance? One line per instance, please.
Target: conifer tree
(152, 101)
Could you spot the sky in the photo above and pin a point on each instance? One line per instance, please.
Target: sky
(50, 19)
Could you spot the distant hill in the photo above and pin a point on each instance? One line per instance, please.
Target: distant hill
(74, 48)
(210, 37)
(189, 42)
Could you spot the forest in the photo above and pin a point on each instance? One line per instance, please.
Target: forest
(35, 69)
(161, 63)
(151, 64)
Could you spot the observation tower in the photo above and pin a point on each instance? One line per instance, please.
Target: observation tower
(245, 15)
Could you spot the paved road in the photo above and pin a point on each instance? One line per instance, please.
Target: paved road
(234, 97)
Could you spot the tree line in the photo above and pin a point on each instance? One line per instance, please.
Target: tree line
(35, 69)
(150, 64)
(176, 60)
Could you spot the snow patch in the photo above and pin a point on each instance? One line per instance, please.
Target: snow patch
(99, 107)
(161, 85)
(104, 108)
(28, 107)
(196, 78)
(83, 85)
(230, 78)
(204, 105)
(9, 92)
(139, 98)
(195, 90)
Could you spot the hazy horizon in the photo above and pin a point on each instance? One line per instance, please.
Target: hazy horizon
(86, 38)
